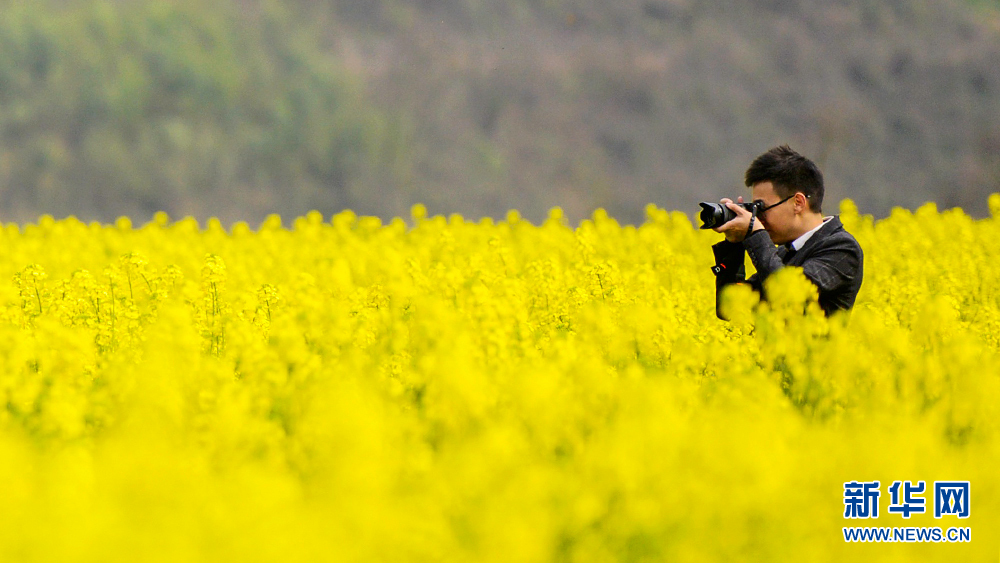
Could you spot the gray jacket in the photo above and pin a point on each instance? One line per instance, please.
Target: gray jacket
(831, 259)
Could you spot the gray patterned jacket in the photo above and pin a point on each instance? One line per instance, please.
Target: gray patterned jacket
(831, 259)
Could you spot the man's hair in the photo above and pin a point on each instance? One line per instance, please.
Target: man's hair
(789, 172)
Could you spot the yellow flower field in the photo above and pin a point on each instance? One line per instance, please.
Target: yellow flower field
(339, 389)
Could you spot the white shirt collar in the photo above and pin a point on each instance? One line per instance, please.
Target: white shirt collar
(798, 243)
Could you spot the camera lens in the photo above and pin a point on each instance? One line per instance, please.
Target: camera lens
(714, 214)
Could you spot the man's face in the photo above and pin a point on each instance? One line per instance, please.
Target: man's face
(778, 221)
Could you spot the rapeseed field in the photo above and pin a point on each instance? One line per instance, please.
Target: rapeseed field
(339, 389)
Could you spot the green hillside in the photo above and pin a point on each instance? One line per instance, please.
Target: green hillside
(240, 109)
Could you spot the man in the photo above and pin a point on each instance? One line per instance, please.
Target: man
(791, 189)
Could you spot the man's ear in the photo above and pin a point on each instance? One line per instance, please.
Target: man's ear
(801, 202)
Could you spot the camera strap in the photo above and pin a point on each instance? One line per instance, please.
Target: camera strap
(753, 215)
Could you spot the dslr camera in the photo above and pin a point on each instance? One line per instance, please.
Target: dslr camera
(715, 214)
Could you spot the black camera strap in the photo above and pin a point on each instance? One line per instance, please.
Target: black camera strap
(753, 215)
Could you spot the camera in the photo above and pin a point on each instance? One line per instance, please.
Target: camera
(715, 214)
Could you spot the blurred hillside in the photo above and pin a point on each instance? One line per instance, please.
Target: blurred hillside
(243, 108)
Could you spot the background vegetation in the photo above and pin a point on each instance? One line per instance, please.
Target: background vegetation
(238, 109)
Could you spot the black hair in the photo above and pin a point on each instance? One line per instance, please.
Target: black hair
(789, 172)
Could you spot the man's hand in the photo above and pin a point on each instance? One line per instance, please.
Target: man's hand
(736, 229)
